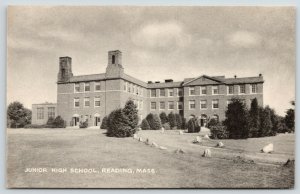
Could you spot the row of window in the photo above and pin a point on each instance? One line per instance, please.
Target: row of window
(132, 88)
(170, 92)
(40, 113)
(162, 105)
(87, 87)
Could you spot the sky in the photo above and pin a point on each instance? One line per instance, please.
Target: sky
(157, 43)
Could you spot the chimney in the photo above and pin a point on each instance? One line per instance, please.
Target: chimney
(157, 82)
(260, 75)
(234, 76)
(168, 80)
(149, 82)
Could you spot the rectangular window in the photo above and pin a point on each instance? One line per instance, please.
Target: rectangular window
(97, 86)
(230, 89)
(253, 88)
(162, 92)
(215, 104)
(128, 87)
(192, 91)
(153, 93)
(77, 87)
(171, 92)
(86, 101)
(242, 89)
(134, 89)
(203, 90)
(153, 105)
(40, 113)
(171, 105)
(192, 104)
(76, 102)
(97, 101)
(51, 112)
(179, 105)
(179, 92)
(162, 105)
(215, 90)
(87, 87)
(203, 104)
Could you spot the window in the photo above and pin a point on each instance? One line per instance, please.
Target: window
(86, 101)
(97, 101)
(253, 88)
(171, 92)
(76, 102)
(242, 89)
(40, 113)
(179, 105)
(153, 93)
(203, 90)
(77, 87)
(192, 104)
(51, 112)
(230, 89)
(113, 59)
(87, 87)
(192, 91)
(215, 104)
(215, 90)
(171, 105)
(129, 86)
(203, 104)
(162, 92)
(162, 105)
(97, 86)
(153, 105)
(125, 86)
(179, 92)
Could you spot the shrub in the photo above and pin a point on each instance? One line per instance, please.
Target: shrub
(59, 122)
(254, 121)
(265, 122)
(118, 125)
(154, 121)
(172, 120)
(211, 123)
(163, 118)
(145, 125)
(191, 126)
(35, 126)
(290, 119)
(178, 118)
(218, 131)
(131, 112)
(84, 124)
(184, 124)
(50, 121)
(104, 123)
(166, 126)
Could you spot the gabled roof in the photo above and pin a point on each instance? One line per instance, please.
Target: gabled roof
(208, 80)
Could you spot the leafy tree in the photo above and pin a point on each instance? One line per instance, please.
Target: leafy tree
(18, 115)
(236, 120)
(131, 112)
(119, 125)
(178, 119)
(59, 122)
(290, 118)
(145, 125)
(184, 124)
(265, 122)
(254, 121)
(154, 121)
(163, 117)
(172, 120)
(104, 123)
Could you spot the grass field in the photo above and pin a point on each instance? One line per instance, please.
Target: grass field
(91, 149)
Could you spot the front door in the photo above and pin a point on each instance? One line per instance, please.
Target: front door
(97, 121)
(76, 121)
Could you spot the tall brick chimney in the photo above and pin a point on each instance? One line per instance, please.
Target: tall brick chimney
(65, 69)
(114, 67)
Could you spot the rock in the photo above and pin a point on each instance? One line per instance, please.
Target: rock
(154, 144)
(162, 130)
(162, 148)
(139, 129)
(135, 136)
(220, 145)
(207, 153)
(268, 148)
(147, 142)
(180, 132)
(197, 140)
(140, 139)
(180, 151)
(206, 137)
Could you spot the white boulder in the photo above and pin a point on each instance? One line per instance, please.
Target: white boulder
(207, 153)
(206, 137)
(268, 148)
(154, 144)
(162, 148)
(162, 130)
(220, 144)
(135, 136)
(197, 140)
(180, 132)
(140, 139)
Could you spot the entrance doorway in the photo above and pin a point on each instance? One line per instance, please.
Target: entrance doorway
(203, 120)
(97, 119)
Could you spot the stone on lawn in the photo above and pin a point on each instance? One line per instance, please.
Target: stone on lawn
(154, 144)
(180, 132)
(206, 137)
(135, 136)
(220, 144)
(147, 142)
(197, 140)
(207, 153)
(268, 148)
(140, 139)
(162, 130)
(162, 148)
(180, 151)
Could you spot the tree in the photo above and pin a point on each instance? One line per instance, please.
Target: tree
(178, 119)
(254, 121)
(131, 112)
(154, 121)
(191, 126)
(290, 118)
(145, 125)
(265, 122)
(50, 121)
(18, 115)
(59, 122)
(119, 125)
(104, 123)
(184, 124)
(163, 117)
(236, 120)
(172, 120)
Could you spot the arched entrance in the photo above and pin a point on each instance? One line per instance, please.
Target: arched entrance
(97, 119)
(216, 117)
(75, 120)
(203, 120)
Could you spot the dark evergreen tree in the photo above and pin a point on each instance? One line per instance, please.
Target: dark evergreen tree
(178, 118)
(254, 121)
(145, 125)
(172, 120)
(50, 121)
(290, 119)
(154, 121)
(59, 122)
(119, 125)
(265, 123)
(131, 112)
(163, 117)
(104, 123)
(191, 125)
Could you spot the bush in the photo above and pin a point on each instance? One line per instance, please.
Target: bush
(265, 122)
(178, 118)
(104, 123)
(35, 126)
(154, 121)
(172, 120)
(184, 124)
(211, 123)
(59, 122)
(193, 126)
(145, 125)
(50, 121)
(219, 131)
(163, 118)
(131, 112)
(84, 124)
(166, 126)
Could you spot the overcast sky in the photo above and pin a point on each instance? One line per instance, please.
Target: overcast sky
(157, 43)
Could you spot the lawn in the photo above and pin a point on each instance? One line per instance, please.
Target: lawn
(91, 149)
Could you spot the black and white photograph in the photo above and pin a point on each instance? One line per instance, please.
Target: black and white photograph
(169, 97)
